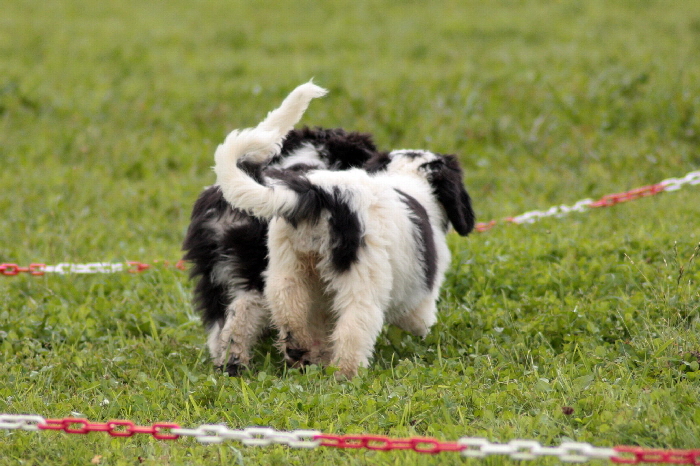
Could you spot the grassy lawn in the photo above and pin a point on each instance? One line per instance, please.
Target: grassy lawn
(109, 116)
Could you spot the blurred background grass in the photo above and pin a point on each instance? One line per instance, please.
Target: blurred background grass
(110, 111)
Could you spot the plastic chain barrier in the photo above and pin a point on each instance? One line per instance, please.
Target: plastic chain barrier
(89, 268)
(469, 447)
(671, 184)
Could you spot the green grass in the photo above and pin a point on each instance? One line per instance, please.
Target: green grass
(109, 116)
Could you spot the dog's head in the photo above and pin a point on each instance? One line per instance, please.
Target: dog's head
(444, 175)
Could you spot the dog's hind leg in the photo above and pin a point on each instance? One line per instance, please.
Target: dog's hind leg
(290, 298)
(246, 318)
(361, 295)
(418, 321)
(293, 291)
(355, 333)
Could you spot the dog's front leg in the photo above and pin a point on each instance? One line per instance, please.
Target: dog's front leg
(292, 288)
(246, 318)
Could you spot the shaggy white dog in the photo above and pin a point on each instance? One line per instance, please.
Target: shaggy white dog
(348, 250)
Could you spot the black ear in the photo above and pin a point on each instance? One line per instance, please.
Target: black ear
(377, 163)
(341, 149)
(445, 176)
(349, 150)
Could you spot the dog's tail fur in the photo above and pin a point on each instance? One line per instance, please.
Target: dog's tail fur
(258, 145)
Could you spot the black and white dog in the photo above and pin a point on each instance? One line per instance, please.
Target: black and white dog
(348, 250)
(227, 247)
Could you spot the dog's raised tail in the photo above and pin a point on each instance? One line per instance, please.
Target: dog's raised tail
(265, 140)
(283, 119)
(258, 145)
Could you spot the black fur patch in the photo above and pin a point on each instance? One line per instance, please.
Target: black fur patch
(346, 234)
(340, 149)
(311, 200)
(247, 242)
(423, 235)
(201, 246)
(253, 170)
(378, 163)
(234, 367)
(295, 354)
(345, 230)
(301, 168)
(445, 176)
(240, 245)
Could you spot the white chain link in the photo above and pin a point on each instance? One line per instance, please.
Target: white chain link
(92, 267)
(556, 211)
(673, 184)
(570, 452)
(21, 421)
(251, 436)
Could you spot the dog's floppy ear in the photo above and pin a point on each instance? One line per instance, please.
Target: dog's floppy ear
(378, 162)
(445, 176)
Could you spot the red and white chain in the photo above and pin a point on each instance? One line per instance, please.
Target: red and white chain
(469, 447)
(584, 205)
(88, 268)
(670, 184)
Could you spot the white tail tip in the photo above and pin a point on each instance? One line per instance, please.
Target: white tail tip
(310, 91)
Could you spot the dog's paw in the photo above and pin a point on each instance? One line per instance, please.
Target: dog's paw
(343, 375)
(296, 357)
(234, 367)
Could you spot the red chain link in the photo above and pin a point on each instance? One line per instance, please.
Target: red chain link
(71, 425)
(178, 265)
(481, 227)
(649, 455)
(381, 443)
(612, 199)
(14, 269)
(137, 267)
